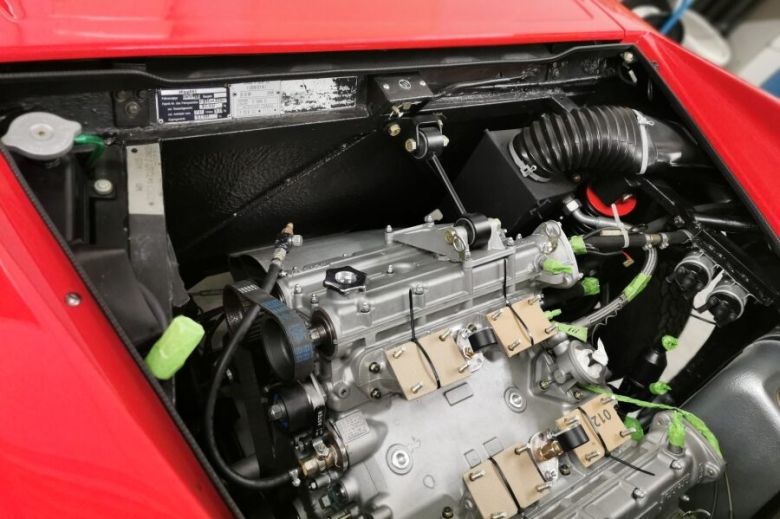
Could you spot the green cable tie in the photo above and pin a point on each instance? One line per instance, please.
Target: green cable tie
(632, 423)
(676, 430)
(92, 140)
(553, 266)
(590, 286)
(171, 350)
(669, 342)
(578, 332)
(551, 314)
(578, 245)
(636, 286)
(693, 420)
(660, 388)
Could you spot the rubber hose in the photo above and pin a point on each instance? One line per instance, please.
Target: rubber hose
(614, 306)
(211, 401)
(616, 242)
(603, 139)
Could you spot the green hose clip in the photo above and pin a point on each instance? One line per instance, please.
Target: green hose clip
(676, 431)
(590, 286)
(578, 245)
(636, 286)
(693, 420)
(99, 146)
(632, 423)
(659, 388)
(552, 314)
(669, 342)
(578, 332)
(553, 266)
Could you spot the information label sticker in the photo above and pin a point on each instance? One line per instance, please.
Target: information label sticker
(269, 98)
(192, 104)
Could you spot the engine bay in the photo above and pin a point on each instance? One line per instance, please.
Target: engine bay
(429, 284)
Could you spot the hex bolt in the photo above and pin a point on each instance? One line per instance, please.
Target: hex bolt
(132, 108)
(376, 394)
(545, 384)
(72, 299)
(677, 465)
(365, 307)
(410, 145)
(628, 57)
(447, 513)
(577, 394)
(476, 475)
(103, 186)
(394, 130)
(374, 367)
(277, 412)
(565, 469)
(390, 269)
(397, 353)
(314, 299)
(638, 493)
(417, 387)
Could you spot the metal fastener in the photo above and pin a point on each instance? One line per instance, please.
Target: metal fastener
(376, 394)
(419, 289)
(365, 307)
(72, 299)
(638, 493)
(628, 57)
(544, 486)
(385, 86)
(545, 384)
(394, 130)
(591, 455)
(389, 229)
(374, 367)
(514, 345)
(103, 186)
(400, 351)
(497, 314)
(520, 450)
(445, 335)
(463, 368)
(476, 475)
(417, 387)
(297, 289)
(498, 515)
(314, 299)
(447, 513)
(677, 465)
(627, 432)
(390, 269)
(410, 145)
(577, 394)
(132, 108)
(565, 469)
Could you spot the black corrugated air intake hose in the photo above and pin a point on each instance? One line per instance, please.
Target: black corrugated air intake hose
(600, 139)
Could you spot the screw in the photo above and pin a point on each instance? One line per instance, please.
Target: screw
(314, 299)
(497, 314)
(628, 57)
(397, 353)
(521, 450)
(132, 108)
(476, 475)
(277, 412)
(400, 459)
(312, 485)
(577, 394)
(417, 387)
(498, 515)
(447, 513)
(385, 86)
(394, 130)
(410, 145)
(565, 469)
(122, 95)
(422, 83)
(445, 335)
(72, 299)
(543, 487)
(365, 307)
(376, 394)
(591, 455)
(374, 367)
(297, 289)
(419, 289)
(677, 465)
(229, 375)
(627, 432)
(463, 368)
(545, 384)
(638, 493)
(684, 498)
(103, 186)
(389, 229)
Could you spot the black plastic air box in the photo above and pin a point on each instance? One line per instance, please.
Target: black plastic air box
(492, 184)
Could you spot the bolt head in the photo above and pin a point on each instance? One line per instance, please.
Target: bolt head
(103, 186)
(72, 299)
(577, 394)
(565, 470)
(132, 108)
(385, 86)
(394, 130)
(374, 367)
(410, 145)
(376, 394)
(629, 57)
(314, 299)
(419, 289)
(638, 493)
(365, 307)
(544, 385)
(447, 513)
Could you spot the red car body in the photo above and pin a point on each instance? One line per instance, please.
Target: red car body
(84, 434)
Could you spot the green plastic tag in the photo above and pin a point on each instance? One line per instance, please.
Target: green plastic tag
(553, 266)
(660, 388)
(632, 423)
(578, 245)
(171, 350)
(552, 314)
(578, 332)
(676, 431)
(636, 286)
(694, 421)
(669, 343)
(590, 286)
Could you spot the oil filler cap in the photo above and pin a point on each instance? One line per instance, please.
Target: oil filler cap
(41, 135)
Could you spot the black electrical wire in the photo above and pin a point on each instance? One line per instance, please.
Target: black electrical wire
(630, 465)
(211, 401)
(517, 316)
(154, 305)
(414, 340)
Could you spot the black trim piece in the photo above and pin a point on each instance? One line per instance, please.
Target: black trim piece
(155, 385)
